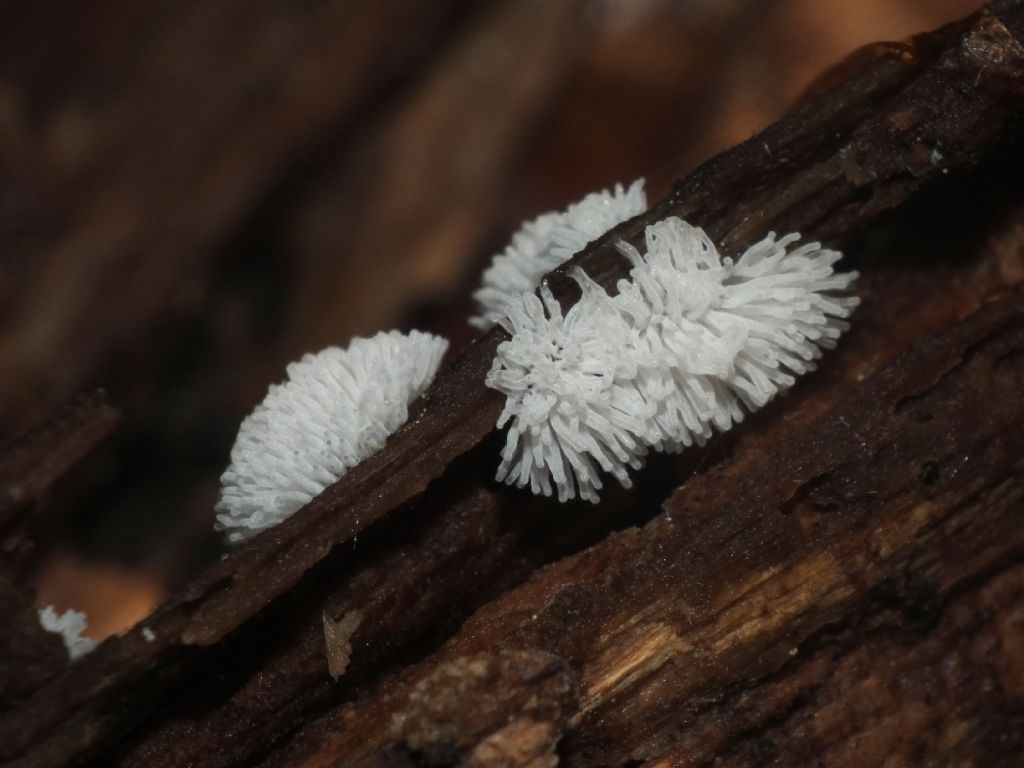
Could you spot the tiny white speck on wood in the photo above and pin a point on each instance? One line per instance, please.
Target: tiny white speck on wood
(337, 407)
(69, 625)
(547, 242)
(688, 342)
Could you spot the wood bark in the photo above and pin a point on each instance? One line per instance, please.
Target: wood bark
(33, 461)
(720, 614)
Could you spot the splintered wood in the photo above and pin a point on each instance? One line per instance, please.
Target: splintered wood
(338, 641)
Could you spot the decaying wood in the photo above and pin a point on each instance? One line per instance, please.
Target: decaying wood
(438, 560)
(338, 641)
(830, 167)
(462, 703)
(904, 492)
(30, 656)
(145, 152)
(34, 460)
(422, 574)
(899, 695)
(847, 512)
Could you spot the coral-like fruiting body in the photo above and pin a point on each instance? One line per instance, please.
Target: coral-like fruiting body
(548, 241)
(687, 343)
(69, 625)
(337, 407)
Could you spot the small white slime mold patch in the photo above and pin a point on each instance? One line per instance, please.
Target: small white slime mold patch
(69, 625)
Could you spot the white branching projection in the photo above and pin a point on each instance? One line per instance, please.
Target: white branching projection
(337, 407)
(689, 342)
(548, 241)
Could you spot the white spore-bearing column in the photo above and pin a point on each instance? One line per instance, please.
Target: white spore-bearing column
(690, 342)
(336, 408)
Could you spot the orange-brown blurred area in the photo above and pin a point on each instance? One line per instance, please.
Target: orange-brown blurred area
(194, 193)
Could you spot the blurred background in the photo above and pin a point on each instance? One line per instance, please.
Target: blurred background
(194, 193)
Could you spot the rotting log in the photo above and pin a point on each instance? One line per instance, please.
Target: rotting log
(877, 512)
(30, 656)
(34, 460)
(846, 155)
(839, 160)
(423, 571)
(945, 697)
